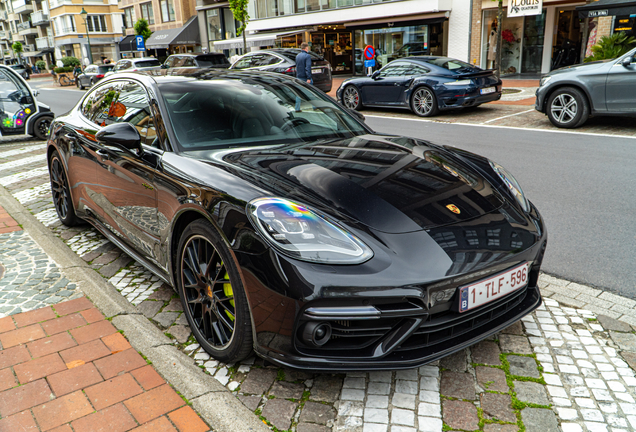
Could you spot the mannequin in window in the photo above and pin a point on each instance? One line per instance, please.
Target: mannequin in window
(492, 44)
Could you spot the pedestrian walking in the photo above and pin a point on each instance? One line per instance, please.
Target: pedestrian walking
(303, 64)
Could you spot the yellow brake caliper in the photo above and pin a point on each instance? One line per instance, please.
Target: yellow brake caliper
(227, 290)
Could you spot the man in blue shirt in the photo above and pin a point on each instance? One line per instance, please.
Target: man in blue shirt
(303, 64)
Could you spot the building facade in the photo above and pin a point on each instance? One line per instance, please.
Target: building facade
(102, 27)
(340, 29)
(27, 22)
(168, 19)
(559, 36)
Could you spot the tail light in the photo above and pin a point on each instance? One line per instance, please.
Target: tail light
(99, 76)
(134, 70)
(291, 69)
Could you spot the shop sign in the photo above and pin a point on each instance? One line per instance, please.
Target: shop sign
(524, 7)
(597, 13)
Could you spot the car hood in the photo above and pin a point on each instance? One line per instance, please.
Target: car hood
(391, 184)
(582, 66)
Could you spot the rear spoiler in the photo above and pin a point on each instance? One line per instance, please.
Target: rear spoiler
(477, 74)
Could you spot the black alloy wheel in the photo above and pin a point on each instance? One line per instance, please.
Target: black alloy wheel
(568, 108)
(424, 102)
(212, 294)
(60, 191)
(351, 98)
(41, 128)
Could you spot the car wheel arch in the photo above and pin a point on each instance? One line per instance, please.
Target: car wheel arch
(419, 85)
(577, 86)
(179, 225)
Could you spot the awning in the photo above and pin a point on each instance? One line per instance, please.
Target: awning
(186, 35)
(45, 51)
(128, 44)
(258, 39)
(607, 8)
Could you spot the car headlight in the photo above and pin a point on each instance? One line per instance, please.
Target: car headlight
(544, 80)
(512, 184)
(303, 234)
(465, 82)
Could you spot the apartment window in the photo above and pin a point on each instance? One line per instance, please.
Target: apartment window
(147, 14)
(129, 17)
(167, 10)
(69, 24)
(96, 23)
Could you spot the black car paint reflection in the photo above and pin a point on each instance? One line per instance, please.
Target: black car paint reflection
(390, 192)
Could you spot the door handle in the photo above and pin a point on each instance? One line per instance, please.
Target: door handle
(102, 153)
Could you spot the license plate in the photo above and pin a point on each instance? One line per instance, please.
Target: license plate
(316, 70)
(487, 290)
(487, 90)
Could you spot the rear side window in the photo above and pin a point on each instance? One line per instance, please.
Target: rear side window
(189, 61)
(244, 63)
(147, 63)
(211, 60)
(104, 69)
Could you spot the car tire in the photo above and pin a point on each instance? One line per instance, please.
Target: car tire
(79, 84)
(41, 128)
(61, 192)
(424, 102)
(215, 305)
(351, 98)
(92, 82)
(567, 108)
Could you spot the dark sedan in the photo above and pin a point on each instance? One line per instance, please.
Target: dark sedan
(209, 60)
(425, 85)
(289, 228)
(284, 61)
(568, 96)
(92, 74)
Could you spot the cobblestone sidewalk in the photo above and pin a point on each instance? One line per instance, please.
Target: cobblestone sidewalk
(578, 349)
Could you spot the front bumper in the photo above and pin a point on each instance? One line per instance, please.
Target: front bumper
(427, 340)
(539, 104)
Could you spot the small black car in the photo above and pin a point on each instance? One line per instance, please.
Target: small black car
(290, 228)
(92, 74)
(209, 60)
(284, 61)
(425, 85)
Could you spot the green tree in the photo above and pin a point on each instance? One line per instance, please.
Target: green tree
(41, 64)
(17, 48)
(142, 28)
(611, 47)
(70, 61)
(239, 10)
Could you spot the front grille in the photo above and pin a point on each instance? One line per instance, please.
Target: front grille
(444, 326)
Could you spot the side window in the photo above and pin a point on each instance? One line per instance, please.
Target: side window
(178, 61)
(169, 62)
(189, 61)
(244, 62)
(271, 60)
(259, 60)
(391, 71)
(417, 70)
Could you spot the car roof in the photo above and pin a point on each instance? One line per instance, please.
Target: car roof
(143, 59)
(197, 55)
(151, 78)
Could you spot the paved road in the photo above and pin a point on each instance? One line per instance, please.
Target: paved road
(582, 184)
(59, 100)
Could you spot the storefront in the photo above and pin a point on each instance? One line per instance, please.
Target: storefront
(219, 25)
(181, 40)
(534, 44)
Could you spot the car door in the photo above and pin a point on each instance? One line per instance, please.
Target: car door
(125, 194)
(16, 103)
(385, 88)
(620, 88)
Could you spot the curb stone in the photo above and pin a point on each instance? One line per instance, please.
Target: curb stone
(217, 405)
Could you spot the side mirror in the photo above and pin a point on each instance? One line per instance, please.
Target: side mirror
(375, 75)
(122, 135)
(627, 61)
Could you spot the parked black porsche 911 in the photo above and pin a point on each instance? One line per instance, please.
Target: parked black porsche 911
(290, 228)
(424, 84)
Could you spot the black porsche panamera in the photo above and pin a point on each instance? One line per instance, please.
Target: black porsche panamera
(290, 228)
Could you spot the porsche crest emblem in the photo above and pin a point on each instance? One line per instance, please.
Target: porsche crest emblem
(453, 208)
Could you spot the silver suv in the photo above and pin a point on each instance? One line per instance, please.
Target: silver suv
(136, 64)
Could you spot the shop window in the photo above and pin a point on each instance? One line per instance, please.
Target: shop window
(215, 31)
(147, 13)
(167, 10)
(229, 23)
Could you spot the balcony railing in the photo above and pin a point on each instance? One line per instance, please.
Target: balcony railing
(23, 26)
(28, 47)
(39, 17)
(44, 42)
(3, 34)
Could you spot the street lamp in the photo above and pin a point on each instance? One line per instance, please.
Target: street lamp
(84, 14)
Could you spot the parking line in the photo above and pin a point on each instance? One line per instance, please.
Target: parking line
(569, 132)
(509, 115)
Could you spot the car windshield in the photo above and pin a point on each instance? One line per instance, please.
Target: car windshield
(147, 63)
(16, 67)
(452, 64)
(228, 112)
(212, 60)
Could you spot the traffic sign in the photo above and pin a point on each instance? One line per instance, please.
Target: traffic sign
(369, 63)
(369, 52)
(140, 43)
